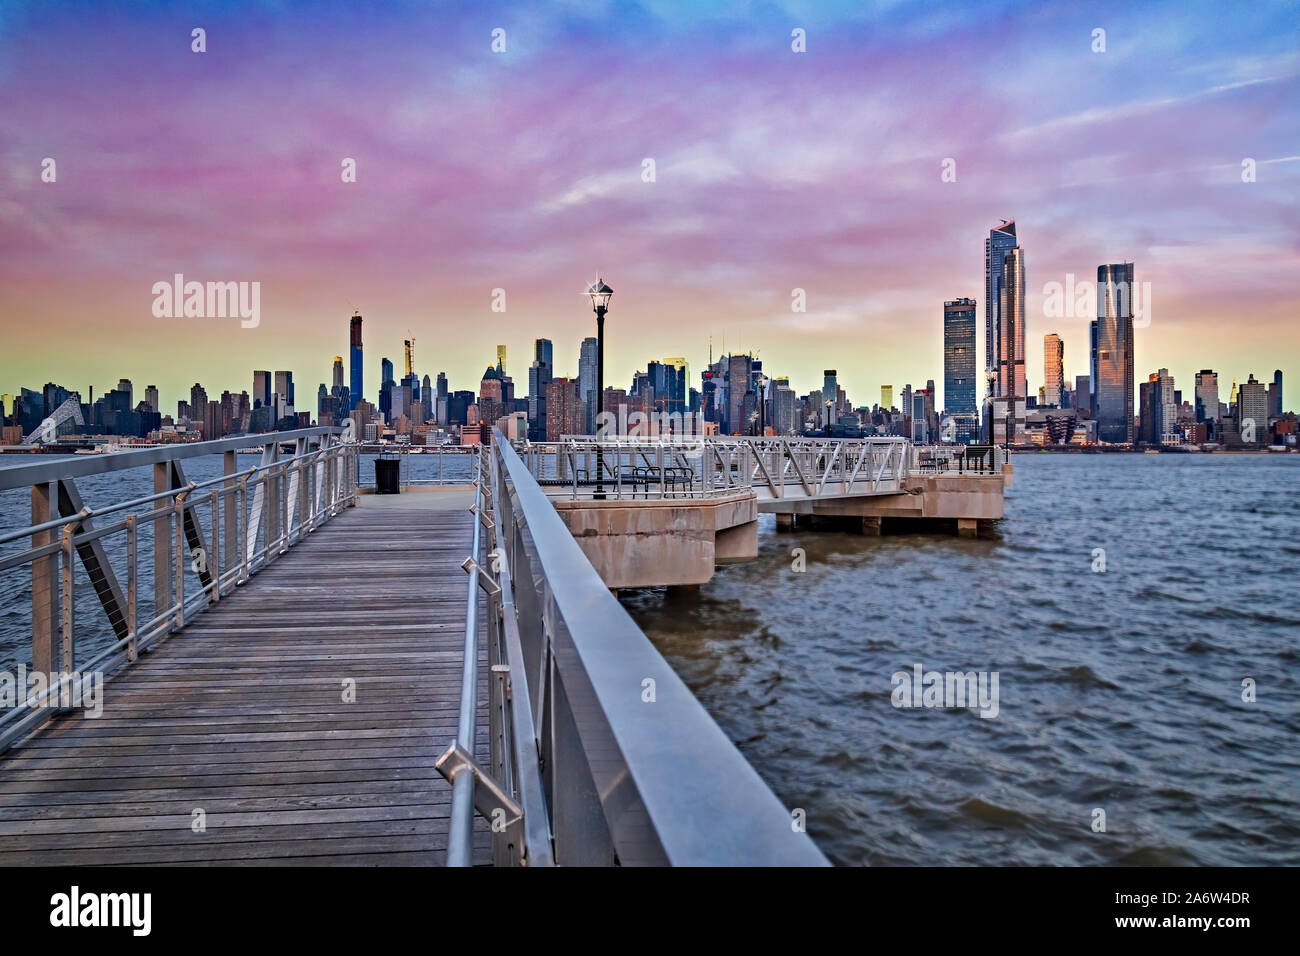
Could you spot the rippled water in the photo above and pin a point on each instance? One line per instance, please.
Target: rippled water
(1119, 690)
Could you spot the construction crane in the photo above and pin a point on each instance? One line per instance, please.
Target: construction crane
(47, 431)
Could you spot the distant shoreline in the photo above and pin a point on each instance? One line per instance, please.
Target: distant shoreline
(1106, 450)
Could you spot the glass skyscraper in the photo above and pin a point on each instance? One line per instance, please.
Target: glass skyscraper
(587, 383)
(1207, 395)
(959, 367)
(355, 359)
(1112, 354)
(1011, 327)
(1000, 242)
(1054, 370)
(543, 351)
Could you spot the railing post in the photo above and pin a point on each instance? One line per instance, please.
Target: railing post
(132, 582)
(178, 508)
(162, 543)
(242, 520)
(45, 584)
(214, 559)
(68, 642)
(283, 495)
(356, 475)
(229, 466)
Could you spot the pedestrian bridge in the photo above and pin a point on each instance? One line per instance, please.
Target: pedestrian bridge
(267, 667)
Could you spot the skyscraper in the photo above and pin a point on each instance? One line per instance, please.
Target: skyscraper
(284, 393)
(1207, 396)
(738, 367)
(1158, 412)
(1112, 354)
(1083, 395)
(1001, 241)
(338, 371)
(830, 387)
(543, 351)
(783, 397)
(1277, 402)
(501, 359)
(386, 387)
(958, 368)
(1004, 334)
(1252, 411)
(261, 390)
(442, 400)
(539, 377)
(1054, 370)
(886, 397)
(1011, 319)
(151, 395)
(564, 412)
(355, 358)
(586, 383)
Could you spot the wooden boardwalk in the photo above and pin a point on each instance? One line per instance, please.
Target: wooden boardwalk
(242, 716)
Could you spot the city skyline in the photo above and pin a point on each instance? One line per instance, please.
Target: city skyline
(791, 171)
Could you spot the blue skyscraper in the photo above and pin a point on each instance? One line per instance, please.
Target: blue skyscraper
(355, 358)
(959, 368)
(542, 352)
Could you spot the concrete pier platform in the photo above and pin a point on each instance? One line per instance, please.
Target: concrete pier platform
(662, 542)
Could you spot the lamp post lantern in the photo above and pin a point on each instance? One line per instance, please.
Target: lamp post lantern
(600, 295)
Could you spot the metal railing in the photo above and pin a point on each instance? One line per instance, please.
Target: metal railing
(252, 516)
(702, 467)
(405, 453)
(958, 459)
(600, 754)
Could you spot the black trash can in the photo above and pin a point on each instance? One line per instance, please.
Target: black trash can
(388, 476)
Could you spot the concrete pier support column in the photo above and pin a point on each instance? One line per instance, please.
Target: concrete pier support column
(738, 543)
(784, 522)
(968, 528)
(871, 525)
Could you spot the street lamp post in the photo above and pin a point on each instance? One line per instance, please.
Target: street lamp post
(762, 405)
(829, 405)
(600, 295)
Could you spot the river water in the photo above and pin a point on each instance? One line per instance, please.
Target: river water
(1120, 690)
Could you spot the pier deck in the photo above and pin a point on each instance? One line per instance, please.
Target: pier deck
(239, 720)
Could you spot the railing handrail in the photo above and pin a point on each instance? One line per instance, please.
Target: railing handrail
(257, 473)
(38, 473)
(461, 821)
(704, 802)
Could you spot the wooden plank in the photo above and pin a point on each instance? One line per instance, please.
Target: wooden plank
(242, 715)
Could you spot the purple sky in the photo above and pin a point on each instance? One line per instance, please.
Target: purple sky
(522, 170)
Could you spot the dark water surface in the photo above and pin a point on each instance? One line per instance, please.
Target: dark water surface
(1119, 690)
